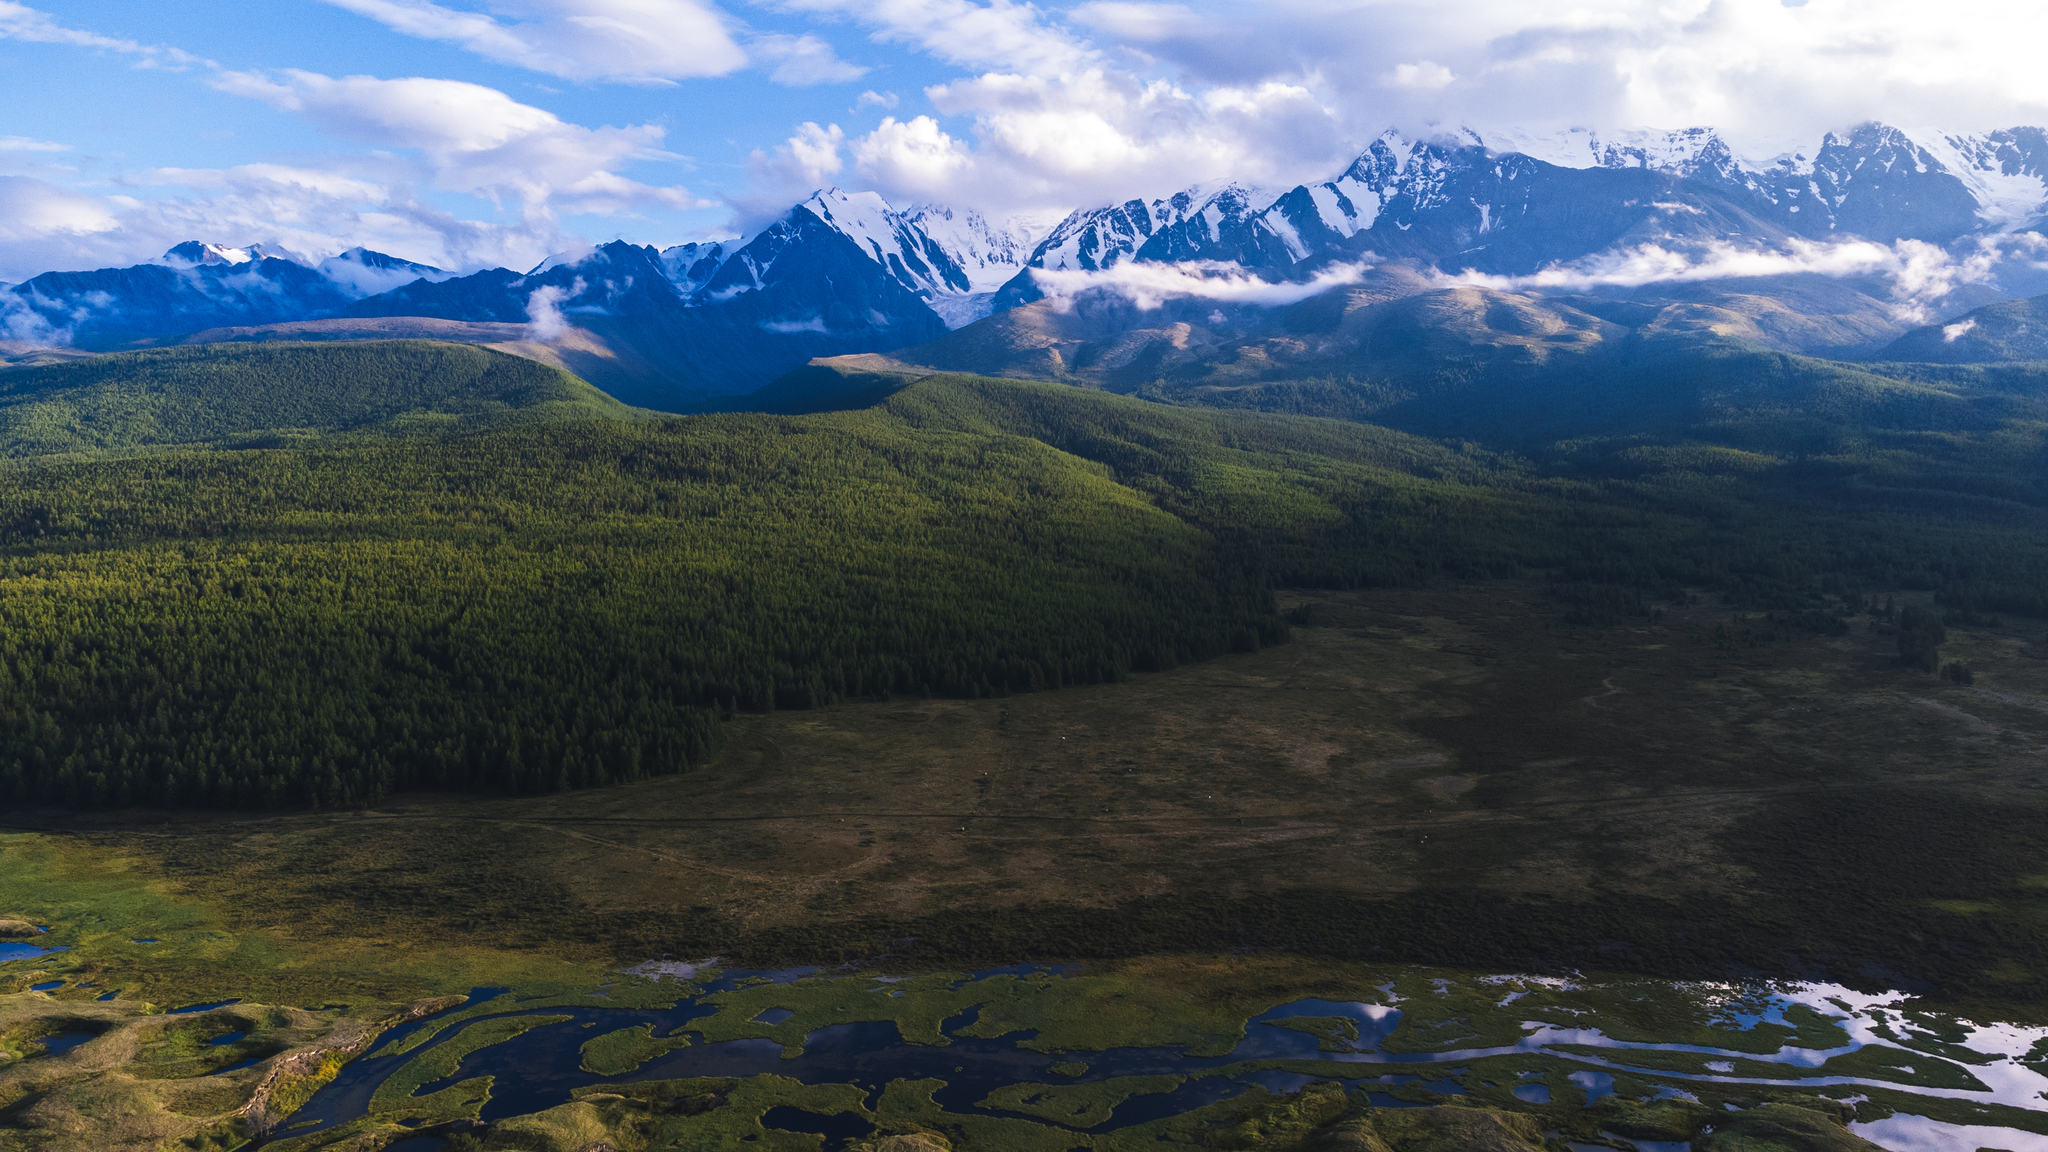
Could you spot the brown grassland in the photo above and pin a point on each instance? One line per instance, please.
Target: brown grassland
(1447, 776)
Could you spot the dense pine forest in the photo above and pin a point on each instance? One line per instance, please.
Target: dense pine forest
(548, 604)
(252, 395)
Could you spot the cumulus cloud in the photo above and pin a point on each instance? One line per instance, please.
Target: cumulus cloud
(805, 162)
(1096, 136)
(20, 22)
(477, 140)
(1115, 98)
(421, 133)
(634, 41)
(32, 209)
(1150, 285)
(1053, 121)
(1920, 273)
(873, 99)
(1772, 77)
(916, 156)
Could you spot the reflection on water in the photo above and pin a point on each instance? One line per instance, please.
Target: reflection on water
(61, 1042)
(539, 1069)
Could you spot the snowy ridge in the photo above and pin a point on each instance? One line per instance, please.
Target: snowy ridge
(911, 256)
(2003, 170)
(1099, 238)
(194, 253)
(988, 253)
(1683, 152)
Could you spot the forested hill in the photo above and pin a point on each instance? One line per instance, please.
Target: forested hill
(242, 394)
(575, 603)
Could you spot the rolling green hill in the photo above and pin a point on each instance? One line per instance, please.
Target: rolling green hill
(1574, 377)
(564, 604)
(277, 393)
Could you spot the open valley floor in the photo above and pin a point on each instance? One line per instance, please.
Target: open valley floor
(1449, 783)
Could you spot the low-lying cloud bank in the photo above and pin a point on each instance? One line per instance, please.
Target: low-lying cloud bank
(1150, 285)
(1920, 273)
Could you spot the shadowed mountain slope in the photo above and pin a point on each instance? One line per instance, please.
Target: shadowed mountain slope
(266, 394)
(2006, 330)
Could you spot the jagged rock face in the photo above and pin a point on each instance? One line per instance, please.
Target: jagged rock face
(1099, 238)
(1463, 207)
(1456, 203)
(912, 257)
(799, 289)
(1873, 182)
(803, 275)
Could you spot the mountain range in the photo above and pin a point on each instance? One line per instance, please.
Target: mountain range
(845, 273)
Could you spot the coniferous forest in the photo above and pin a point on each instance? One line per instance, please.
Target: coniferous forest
(541, 604)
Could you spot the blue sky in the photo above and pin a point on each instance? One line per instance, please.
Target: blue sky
(476, 132)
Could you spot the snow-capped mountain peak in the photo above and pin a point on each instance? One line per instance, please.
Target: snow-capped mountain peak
(691, 266)
(2005, 171)
(1680, 152)
(193, 253)
(893, 240)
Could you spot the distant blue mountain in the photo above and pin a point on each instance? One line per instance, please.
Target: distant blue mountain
(801, 288)
(194, 286)
(844, 272)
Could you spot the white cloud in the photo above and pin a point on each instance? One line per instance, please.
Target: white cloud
(1150, 285)
(32, 209)
(1425, 74)
(814, 153)
(20, 22)
(477, 140)
(1136, 23)
(1771, 77)
(25, 144)
(1014, 37)
(807, 161)
(915, 156)
(873, 99)
(1056, 124)
(1950, 333)
(635, 41)
(1109, 99)
(804, 60)
(1920, 273)
(307, 210)
(544, 319)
